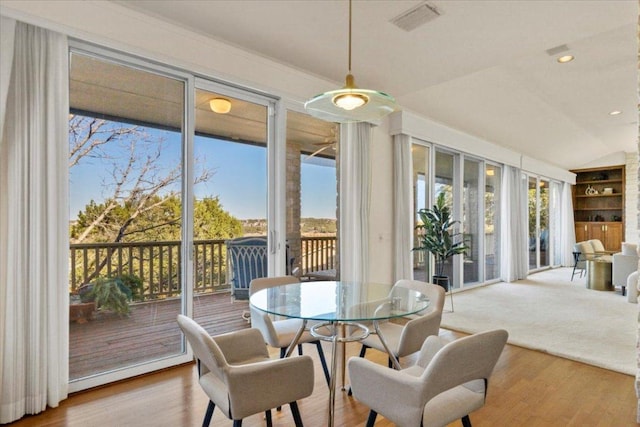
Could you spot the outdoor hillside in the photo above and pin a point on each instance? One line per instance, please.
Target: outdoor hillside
(309, 226)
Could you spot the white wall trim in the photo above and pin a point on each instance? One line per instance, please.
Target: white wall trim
(429, 130)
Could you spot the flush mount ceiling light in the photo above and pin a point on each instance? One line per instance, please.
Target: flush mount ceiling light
(615, 112)
(220, 105)
(350, 104)
(566, 58)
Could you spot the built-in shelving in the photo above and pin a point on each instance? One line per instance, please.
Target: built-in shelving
(599, 213)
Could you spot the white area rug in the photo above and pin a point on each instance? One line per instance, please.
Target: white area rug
(548, 312)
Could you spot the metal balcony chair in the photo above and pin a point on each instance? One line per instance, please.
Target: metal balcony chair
(247, 260)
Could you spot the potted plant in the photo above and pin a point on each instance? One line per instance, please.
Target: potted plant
(437, 237)
(112, 293)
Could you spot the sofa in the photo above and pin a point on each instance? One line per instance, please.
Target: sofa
(625, 262)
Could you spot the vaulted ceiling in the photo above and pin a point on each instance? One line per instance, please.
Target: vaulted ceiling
(487, 68)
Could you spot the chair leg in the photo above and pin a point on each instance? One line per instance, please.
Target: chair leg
(283, 352)
(237, 423)
(208, 414)
(299, 349)
(323, 362)
(267, 416)
(372, 418)
(363, 350)
(466, 422)
(296, 414)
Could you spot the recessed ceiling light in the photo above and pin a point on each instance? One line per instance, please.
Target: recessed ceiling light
(566, 58)
(615, 112)
(220, 105)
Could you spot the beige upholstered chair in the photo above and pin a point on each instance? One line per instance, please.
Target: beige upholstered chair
(238, 376)
(597, 246)
(625, 262)
(406, 339)
(448, 382)
(280, 333)
(580, 260)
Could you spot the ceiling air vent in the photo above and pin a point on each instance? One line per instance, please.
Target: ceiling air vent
(413, 18)
(558, 49)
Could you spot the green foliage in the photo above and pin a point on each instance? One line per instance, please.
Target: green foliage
(435, 233)
(211, 221)
(113, 293)
(110, 293)
(311, 226)
(544, 209)
(161, 222)
(133, 284)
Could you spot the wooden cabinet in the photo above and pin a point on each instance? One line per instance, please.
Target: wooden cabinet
(598, 205)
(609, 233)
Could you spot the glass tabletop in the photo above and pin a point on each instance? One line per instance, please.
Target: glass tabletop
(339, 301)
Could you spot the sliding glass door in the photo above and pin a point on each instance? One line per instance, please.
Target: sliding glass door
(312, 197)
(230, 199)
(539, 226)
(164, 170)
(421, 158)
(471, 188)
(126, 140)
(492, 221)
(472, 219)
(446, 170)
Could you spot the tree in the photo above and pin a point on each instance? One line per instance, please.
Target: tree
(140, 188)
(137, 185)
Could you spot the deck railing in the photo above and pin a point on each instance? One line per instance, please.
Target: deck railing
(157, 264)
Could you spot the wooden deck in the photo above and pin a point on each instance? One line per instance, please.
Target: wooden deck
(150, 332)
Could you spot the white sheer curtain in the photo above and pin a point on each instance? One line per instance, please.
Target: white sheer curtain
(7, 35)
(514, 264)
(355, 189)
(567, 226)
(402, 207)
(34, 223)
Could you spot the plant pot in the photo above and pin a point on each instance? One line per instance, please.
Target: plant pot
(81, 312)
(441, 281)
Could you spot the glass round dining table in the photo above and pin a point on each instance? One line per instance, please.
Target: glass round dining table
(338, 306)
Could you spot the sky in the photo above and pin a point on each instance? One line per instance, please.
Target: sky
(239, 177)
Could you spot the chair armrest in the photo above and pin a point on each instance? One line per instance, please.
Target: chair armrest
(417, 330)
(262, 322)
(395, 395)
(431, 346)
(623, 266)
(242, 346)
(270, 383)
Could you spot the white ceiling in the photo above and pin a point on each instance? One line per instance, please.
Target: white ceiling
(480, 67)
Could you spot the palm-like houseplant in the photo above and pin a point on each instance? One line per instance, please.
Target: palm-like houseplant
(437, 237)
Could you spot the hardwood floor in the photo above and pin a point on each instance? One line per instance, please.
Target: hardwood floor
(528, 388)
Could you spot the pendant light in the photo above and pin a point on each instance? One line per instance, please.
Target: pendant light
(350, 104)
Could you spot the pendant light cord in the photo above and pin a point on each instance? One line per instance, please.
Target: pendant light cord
(349, 36)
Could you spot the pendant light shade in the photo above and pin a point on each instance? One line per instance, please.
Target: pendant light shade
(350, 104)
